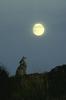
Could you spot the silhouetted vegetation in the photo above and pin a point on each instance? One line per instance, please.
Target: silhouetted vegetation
(46, 86)
(3, 83)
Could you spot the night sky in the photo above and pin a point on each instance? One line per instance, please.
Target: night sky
(17, 18)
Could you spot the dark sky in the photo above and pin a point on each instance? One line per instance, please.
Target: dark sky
(16, 38)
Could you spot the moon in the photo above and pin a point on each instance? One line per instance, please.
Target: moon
(38, 29)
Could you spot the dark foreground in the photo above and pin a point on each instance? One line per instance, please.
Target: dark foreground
(44, 86)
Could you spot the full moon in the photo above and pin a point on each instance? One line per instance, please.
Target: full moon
(38, 29)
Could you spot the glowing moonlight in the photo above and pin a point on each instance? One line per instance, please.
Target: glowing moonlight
(38, 29)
